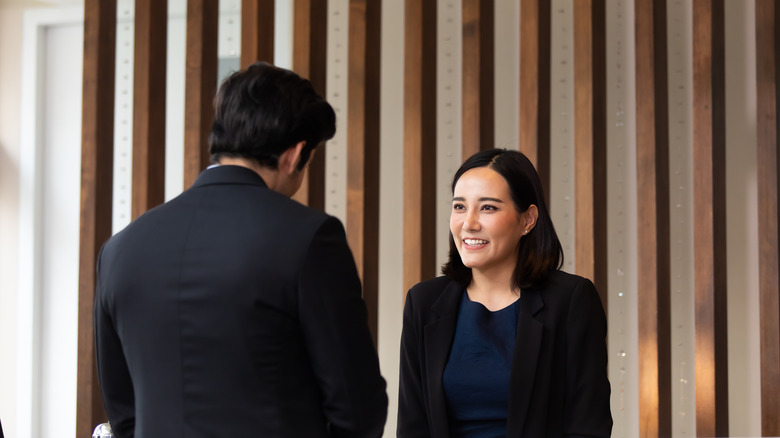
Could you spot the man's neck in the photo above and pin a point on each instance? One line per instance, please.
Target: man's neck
(270, 176)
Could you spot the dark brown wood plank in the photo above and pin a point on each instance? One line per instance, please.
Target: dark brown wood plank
(767, 45)
(477, 77)
(310, 35)
(487, 31)
(583, 137)
(200, 85)
(590, 142)
(470, 78)
(97, 173)
(419, 141)
(363, 148)
(654, 281)
(257, 31)
(709, 219)
(150, 57)
(534, 122)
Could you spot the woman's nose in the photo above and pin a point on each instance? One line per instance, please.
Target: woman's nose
(471, 222)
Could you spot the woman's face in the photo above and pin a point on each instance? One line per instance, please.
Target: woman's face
(484, 222)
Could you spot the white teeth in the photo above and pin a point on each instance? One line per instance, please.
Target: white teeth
(473, 242)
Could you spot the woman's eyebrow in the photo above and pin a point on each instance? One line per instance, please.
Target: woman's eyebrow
(483, 199)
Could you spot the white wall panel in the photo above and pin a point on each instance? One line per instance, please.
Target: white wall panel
(391, 203)
(123, 116)
(10, 151)
(61, 165)
(507, 73)
(680, 71)
(742, 221)
(336, 148)
(622, 218)
(449, 133)
(561, 194)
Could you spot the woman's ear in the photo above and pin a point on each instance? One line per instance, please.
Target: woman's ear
(529, 218)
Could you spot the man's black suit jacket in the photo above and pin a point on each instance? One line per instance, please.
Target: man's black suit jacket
(233, 310)
(558, 382)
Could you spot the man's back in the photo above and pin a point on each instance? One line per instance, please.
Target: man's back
(235, 310)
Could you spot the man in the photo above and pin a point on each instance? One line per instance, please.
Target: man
(233, 310)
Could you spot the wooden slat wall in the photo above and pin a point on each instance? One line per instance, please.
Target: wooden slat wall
(151, 23)
(590, 142)
(200, 85)
(534, 99)
(419, 252)
(709, 216)
(363, 148)
(478, 107)
(97, 171)
(420, 117)
(654, 282)
(310, 25)
(257, 31)
(767, 46)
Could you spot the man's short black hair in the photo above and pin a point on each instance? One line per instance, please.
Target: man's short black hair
(262, 111)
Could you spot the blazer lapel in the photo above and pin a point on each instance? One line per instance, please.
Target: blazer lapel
(526, 355)
(438, 340)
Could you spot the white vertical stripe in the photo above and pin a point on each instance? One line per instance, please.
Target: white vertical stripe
(283, 33)
(744, 335)
(123, 116)
(175, 78)
(679, 33)
(561, 193)
(507, 73)
(622, 217)
(337, 86)
(391, 201)
(449, 138)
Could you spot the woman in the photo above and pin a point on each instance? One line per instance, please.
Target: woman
(504, 344)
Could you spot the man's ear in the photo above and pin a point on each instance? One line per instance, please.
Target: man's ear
(288, 161)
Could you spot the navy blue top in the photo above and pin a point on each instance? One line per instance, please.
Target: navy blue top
(476, 377)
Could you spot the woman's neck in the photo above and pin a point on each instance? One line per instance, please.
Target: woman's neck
(493, 291)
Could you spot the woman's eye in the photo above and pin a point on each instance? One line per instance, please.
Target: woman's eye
(458, 207)
(489, 207)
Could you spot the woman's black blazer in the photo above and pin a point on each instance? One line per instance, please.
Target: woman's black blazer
(558, 382)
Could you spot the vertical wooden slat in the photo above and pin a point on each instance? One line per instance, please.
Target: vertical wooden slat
(709, 219)
(151, 22)
(767, 45)
(478, 99)
(419, 141)
(97, 165)
(534, 122)
(310, 33)
(257, 31)
(590, 142)
(363, 147)
(201, 84)
(654, 282)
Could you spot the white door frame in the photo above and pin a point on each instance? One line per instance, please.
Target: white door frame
(28, 334)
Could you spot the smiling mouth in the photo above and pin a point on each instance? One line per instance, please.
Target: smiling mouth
(475, 242)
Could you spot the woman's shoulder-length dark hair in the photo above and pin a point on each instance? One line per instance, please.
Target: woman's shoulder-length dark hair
(539, 252)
